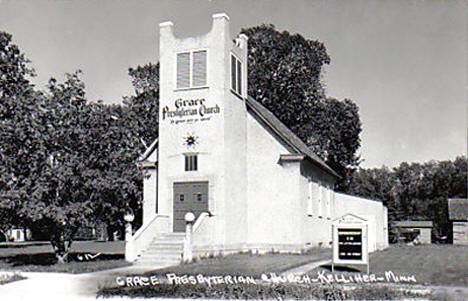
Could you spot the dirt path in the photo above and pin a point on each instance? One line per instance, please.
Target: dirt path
(63, 286)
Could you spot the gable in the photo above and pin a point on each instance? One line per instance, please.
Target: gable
(150, 157)
(285, 136)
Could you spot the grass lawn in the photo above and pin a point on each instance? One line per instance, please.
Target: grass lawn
(258, 292)
(246, 264)
(40, 257)
(430, 264)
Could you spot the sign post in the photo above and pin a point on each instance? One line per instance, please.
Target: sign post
(350, 241)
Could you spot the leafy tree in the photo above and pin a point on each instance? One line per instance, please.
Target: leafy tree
(113, 178)
(17, 100)
(64, 163)
(14, 70)
(144, 105)
(414, 191)
(46, 165)
(284, 75)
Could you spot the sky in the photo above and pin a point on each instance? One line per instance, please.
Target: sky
(404, 63)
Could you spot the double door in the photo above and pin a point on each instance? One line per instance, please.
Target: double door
(189, 197)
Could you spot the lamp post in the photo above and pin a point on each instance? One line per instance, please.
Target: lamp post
(189, 219)
(129, 217)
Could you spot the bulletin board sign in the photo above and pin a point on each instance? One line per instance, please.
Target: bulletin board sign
(350, 241)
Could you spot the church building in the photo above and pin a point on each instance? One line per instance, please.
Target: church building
(250, 182)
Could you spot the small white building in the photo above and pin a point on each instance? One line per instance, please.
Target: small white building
(250, 181)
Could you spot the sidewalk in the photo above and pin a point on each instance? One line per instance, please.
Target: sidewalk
(64, 286)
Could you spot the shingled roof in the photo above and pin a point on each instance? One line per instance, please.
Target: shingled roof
(294, 143)
(458, 209)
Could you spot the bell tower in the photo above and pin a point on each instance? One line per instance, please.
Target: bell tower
(202, 128)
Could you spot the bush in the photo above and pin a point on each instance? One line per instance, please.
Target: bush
(255, 291)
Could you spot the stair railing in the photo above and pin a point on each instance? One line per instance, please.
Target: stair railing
(191, 230)
(142, 238)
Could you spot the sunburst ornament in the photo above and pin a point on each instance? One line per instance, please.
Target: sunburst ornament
(191, 140)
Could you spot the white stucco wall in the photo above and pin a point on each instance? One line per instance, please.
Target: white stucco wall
(370, 210)
(150, 191)
(221, 138)
(209, 132)
(315, 223)
(235, 151)
(273, 190)
(256, 202)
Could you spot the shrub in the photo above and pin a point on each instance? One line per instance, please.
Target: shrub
(255, 291)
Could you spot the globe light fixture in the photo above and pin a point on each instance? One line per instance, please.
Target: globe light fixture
(189, 217)
(129, 216)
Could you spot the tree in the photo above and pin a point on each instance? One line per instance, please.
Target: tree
(284, 75)
(64, 163)
(17, 100)
(14, 70)
(93, 151)
(144, 105)
(414, 191)
(46, 163)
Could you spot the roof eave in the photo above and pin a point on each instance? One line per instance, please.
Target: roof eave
(286, 140)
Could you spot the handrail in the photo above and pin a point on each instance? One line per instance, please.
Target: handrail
(200, 220)
(143, 228)
(190, 232)
(143, 236)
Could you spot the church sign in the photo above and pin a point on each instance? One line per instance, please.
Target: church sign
(349, 244)
(189, 110)
(350, 241)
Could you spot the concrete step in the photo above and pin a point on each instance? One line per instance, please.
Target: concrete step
(163, 251)
(157, 263)
(167, 241)
(172, 236)
(170, 257)
(159, 259)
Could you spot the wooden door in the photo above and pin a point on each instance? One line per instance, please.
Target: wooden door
(189, 197)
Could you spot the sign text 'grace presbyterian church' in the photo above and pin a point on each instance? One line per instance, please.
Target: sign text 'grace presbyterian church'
(189, 108)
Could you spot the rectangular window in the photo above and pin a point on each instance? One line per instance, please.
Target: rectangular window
(328, 202)
(199, 69)
(183, 70)
(191, 69)
(310, 198)
(191, 162)
(315, 199)
(233, 73)
(236, 75)
(319, 201)
(239, 78)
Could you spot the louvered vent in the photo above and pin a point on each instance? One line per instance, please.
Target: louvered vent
(199, 69)
(233, 73)
(236, 75)
(183, 70)
(239, 77)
